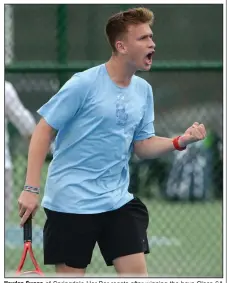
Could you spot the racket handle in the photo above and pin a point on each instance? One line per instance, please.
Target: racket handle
(28, 230)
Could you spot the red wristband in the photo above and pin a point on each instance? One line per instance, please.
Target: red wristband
(176, 144)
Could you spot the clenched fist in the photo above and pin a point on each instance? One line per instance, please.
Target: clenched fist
(194, 133)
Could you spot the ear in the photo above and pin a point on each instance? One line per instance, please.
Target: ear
(120, 46)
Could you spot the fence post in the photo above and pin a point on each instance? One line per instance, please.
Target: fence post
(62, 43)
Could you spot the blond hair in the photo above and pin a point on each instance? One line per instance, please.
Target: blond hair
(118, 24)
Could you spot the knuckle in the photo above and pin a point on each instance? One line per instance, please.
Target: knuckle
(23, 207)
(30, 207)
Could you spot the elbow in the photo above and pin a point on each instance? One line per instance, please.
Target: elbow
(139, 150)
(140, 156)
(144, 149)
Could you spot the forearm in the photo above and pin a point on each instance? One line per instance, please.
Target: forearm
(38, 149)
(154, 147)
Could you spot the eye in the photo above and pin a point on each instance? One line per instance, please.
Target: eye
(146, 37)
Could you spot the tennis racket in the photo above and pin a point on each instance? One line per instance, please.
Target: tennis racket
(28, 248)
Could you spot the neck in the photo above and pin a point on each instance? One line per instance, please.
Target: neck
(119, 71)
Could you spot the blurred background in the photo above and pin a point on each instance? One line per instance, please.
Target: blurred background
(46, 44)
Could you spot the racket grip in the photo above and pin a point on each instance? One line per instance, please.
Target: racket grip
(28, 230)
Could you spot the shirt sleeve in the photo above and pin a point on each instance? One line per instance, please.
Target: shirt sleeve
(146, 127)
(64, 105)
(16, 113)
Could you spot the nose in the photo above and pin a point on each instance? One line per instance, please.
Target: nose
(152, 44)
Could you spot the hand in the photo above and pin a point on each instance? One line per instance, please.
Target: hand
(28, 204)
(194, 133)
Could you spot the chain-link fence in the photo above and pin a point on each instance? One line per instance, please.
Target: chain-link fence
(182, 190)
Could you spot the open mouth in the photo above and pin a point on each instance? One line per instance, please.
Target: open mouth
(149, 57)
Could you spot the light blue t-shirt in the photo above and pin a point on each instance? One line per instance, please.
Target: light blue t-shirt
(97, 122)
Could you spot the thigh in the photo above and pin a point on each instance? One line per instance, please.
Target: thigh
(63, 270)
(131, 265)
(69, 239)
(125, 232)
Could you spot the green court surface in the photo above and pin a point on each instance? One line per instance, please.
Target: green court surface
(185, 239)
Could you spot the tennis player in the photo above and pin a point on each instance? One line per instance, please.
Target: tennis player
(101, 115)
(24, 122)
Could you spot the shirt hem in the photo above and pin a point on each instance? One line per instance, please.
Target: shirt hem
(144, 137)
(57, 209)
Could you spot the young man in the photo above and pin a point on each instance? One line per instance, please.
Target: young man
(101, 115)
(22, 119)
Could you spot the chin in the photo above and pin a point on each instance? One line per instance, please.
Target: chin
(145, 68)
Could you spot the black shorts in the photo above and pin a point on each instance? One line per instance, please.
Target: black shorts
(70, 238)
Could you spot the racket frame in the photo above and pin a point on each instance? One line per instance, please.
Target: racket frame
(28, 249)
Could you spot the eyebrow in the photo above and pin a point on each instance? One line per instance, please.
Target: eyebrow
(146, 35)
